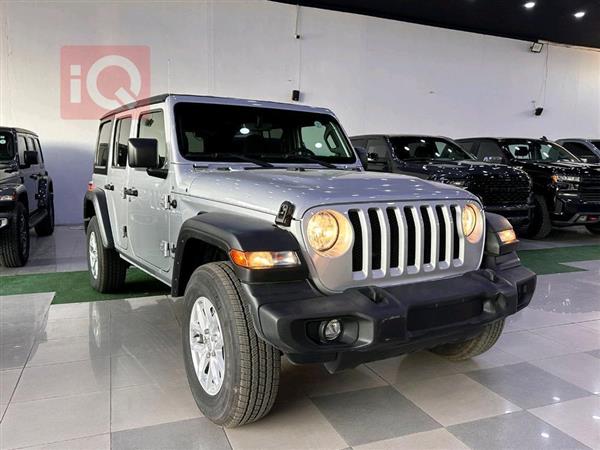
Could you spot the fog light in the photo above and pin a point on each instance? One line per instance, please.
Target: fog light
(331, 330)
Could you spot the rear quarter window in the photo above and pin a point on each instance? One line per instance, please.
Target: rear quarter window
(102, 148)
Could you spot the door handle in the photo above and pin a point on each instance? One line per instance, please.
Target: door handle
(131, 191)
(109, 187)
(35, 176)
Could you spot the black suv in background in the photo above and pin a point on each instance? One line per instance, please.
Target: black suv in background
(587, 150)
(503, 190)
(566, 190)
(26, 195)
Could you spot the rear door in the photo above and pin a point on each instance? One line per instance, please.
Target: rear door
(29, 174)
(117, 180)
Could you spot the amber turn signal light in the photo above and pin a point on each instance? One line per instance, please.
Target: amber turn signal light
(264, 260)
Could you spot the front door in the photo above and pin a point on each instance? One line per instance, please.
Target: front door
(29, 174)
(148, 214)
(116, 181)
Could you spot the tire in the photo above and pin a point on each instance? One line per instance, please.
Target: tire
(540, 225)
(14, 239)
(106, 268)
(46, 226)
(459, 351)
(593, 228)
(246, 387)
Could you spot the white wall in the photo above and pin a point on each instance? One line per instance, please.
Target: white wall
(377, 75)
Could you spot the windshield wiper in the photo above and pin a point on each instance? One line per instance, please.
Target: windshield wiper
(311, 159)
(256, 161)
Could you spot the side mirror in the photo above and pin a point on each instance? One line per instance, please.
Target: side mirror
(362, 155)
(30, 158)
(493, 159)
(143, 153)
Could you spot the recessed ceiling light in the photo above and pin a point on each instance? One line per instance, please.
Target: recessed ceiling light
(579, 14)
(529, 5)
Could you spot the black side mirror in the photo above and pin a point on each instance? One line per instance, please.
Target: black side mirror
(362, 155)
(30, 158)
(143, 153)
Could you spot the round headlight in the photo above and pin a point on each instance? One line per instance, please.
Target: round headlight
(322, 231)
(472, 222)
(329, 233)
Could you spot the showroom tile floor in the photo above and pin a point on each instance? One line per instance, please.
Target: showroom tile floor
(110, 375)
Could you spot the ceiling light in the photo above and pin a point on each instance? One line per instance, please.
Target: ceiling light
(536, 47)
(579, 14)
(529, 5)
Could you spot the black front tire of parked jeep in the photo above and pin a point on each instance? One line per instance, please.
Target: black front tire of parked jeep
(593, 228)
(14, 239)
(46, 226)
(106, 268)
(246, 387)
(460, 351)
(541, 224)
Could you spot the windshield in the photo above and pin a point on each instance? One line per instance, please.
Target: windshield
(539, 151)
(428, 148)
(6, 148)
(208, 132)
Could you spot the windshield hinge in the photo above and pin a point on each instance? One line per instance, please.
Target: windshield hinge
(167, 248)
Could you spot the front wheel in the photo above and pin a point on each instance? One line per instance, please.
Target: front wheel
(106, 268)
(14, 239)
(541, 224)
(233, 375)
(593, 228)
(460, 351)
(46, 226)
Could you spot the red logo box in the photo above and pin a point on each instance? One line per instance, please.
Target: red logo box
(97, 78)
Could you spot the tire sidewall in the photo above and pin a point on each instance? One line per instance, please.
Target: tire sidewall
(22, 220)
(539, 219)
(216, 407)
(93, 228)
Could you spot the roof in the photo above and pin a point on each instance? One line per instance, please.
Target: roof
(397, 135)
(207, 99)
(493, 138)
(18, 130)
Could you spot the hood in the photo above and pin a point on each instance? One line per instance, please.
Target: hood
(266, 189)
(563, 167)
(459, 170)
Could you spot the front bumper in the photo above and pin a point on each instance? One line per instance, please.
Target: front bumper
(6, 218)
(383, 322)
(571, 210)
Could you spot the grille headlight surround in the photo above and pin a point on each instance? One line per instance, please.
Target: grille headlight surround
(329, 233)
(472, 222)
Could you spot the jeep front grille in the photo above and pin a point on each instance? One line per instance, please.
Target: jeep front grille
(589, 189)
(397, 243)
(395, 240)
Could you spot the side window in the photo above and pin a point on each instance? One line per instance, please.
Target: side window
(123, 129)
(359, 143)
(102, 149)
(38, 149)
(21, 148)
(31, 147)
(579, 150)
(489, 149)
(467, 145)
(152, 125)
(378, 146)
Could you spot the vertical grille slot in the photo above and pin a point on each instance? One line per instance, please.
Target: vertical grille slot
(357, 249)
(394, 237)
(442, 237)
(455, 235)
(426, 235)
(376, 241)
(411, 253)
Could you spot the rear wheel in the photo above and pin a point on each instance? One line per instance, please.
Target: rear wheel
(233, 375)
(459, 351)
(593, 228)
(46, 226)
(540, 225)
(14, 239)
(106, 268)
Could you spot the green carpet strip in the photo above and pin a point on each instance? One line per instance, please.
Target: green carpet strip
(72, 287)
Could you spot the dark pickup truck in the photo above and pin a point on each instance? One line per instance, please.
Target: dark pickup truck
(566, 190)
(26, 195)
(503, 190)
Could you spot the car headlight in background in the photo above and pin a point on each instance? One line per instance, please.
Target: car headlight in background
(565, 179)
(329, 233)
(472, 222)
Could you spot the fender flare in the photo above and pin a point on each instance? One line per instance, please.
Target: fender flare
(227, 231)
(97, 198)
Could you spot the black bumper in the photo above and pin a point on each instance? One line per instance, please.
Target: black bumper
(384, 322)
(6, 217)
(572, 210)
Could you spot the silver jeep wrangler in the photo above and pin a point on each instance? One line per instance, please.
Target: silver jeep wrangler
(261, 216)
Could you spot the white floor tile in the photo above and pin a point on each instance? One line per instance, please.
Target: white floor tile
(580, 369)
(431, 440)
